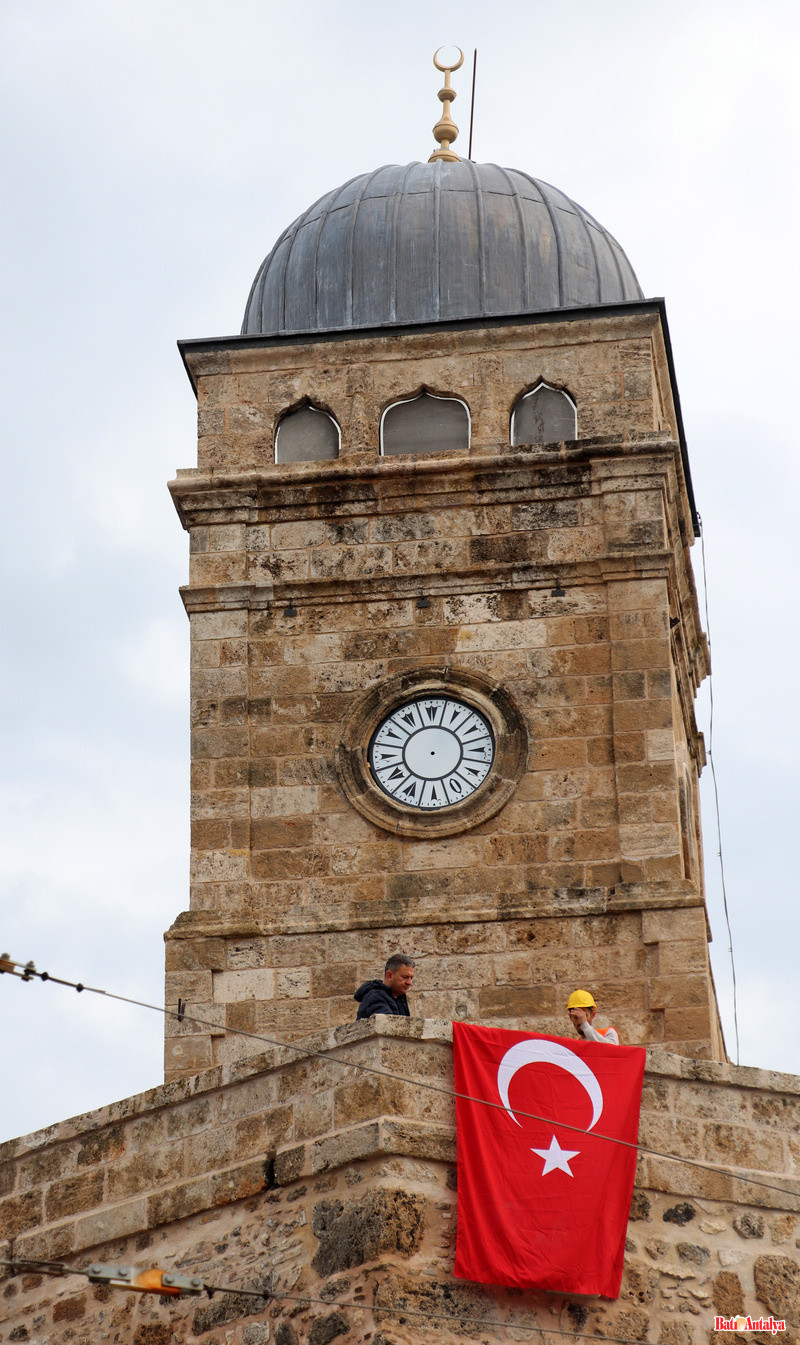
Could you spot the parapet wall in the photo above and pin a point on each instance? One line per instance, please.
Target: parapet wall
(299, 1174)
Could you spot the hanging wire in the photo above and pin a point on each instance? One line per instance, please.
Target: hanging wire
(716, 791)
(29, 973)
(59, 1268)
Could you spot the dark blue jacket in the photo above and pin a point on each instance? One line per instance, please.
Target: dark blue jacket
(376, 997)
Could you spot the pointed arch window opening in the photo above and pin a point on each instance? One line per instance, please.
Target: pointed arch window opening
(307, 434)
(429, 422)
(689, 828)
(545, 415)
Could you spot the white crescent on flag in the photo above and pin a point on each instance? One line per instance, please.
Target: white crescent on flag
(534, 1052)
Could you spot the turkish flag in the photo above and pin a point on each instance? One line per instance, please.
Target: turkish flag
(541, 1206)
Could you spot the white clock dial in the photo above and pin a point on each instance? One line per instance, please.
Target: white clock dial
(432, 752)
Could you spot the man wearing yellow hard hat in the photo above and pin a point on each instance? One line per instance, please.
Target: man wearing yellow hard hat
(582, 1009)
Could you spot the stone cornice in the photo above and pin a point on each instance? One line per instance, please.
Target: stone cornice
(392, 587)
(391, 483)
(381, 915)
(393, 487)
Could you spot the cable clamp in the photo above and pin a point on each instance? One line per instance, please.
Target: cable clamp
(152, 1281)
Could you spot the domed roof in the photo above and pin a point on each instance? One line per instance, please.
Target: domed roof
(431, 241)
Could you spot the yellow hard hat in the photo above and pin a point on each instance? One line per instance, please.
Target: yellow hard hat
(581, 999)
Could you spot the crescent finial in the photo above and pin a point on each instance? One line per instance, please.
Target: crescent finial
(445, 130)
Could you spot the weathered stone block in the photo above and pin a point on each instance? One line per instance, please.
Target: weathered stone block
(218, 625)
(38, 1168)
(239, 1183)
(178, 1202)
(187, 1055)
(18, 1213)
(727, 1293)
(777, 1284)
(361, 1230)
(215, 743)
(188, 1118)
(345, 1147)
(109, 1223)
(669, 992)
(662, 926)
(66, 1198)
(506, 1002)
(250, 983)
(284, 802)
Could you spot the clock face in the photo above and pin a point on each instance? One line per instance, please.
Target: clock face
(432, 752)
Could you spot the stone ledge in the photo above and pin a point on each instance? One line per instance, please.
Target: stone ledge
(660, 1064)
(383, 1136)
(146, 1212)
(277, 477)
(289, 1115)
(713, 1071)
(546, 902)
(515, 576)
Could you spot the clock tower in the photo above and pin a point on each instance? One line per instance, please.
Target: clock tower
(444, 630)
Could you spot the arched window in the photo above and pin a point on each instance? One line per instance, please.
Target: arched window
(425, 424)
(544, 416)
(306, 435)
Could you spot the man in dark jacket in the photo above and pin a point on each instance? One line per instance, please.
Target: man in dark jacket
(388, 995)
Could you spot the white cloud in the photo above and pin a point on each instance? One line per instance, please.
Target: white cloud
(157, 662)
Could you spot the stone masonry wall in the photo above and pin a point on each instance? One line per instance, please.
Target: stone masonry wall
(279, 850)
(591, 673)
(295, 1174)
(648, 970)
(615, 369)
(558, 574)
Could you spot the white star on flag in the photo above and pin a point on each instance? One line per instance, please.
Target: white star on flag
(556, 1157)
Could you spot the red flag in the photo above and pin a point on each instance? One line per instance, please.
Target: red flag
(540, 1206)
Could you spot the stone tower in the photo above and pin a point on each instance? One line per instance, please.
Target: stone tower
(445, 637)
(445, 648)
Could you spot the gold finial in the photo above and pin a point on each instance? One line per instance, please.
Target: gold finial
(445, 130)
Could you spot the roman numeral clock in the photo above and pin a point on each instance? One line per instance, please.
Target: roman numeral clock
(432, 754)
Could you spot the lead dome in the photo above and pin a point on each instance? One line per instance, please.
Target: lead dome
(427, 242)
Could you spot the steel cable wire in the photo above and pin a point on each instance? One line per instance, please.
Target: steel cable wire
(29, 972)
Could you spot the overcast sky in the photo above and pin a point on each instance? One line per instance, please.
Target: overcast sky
(153, 151)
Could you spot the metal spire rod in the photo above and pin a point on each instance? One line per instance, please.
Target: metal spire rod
(472, 101)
